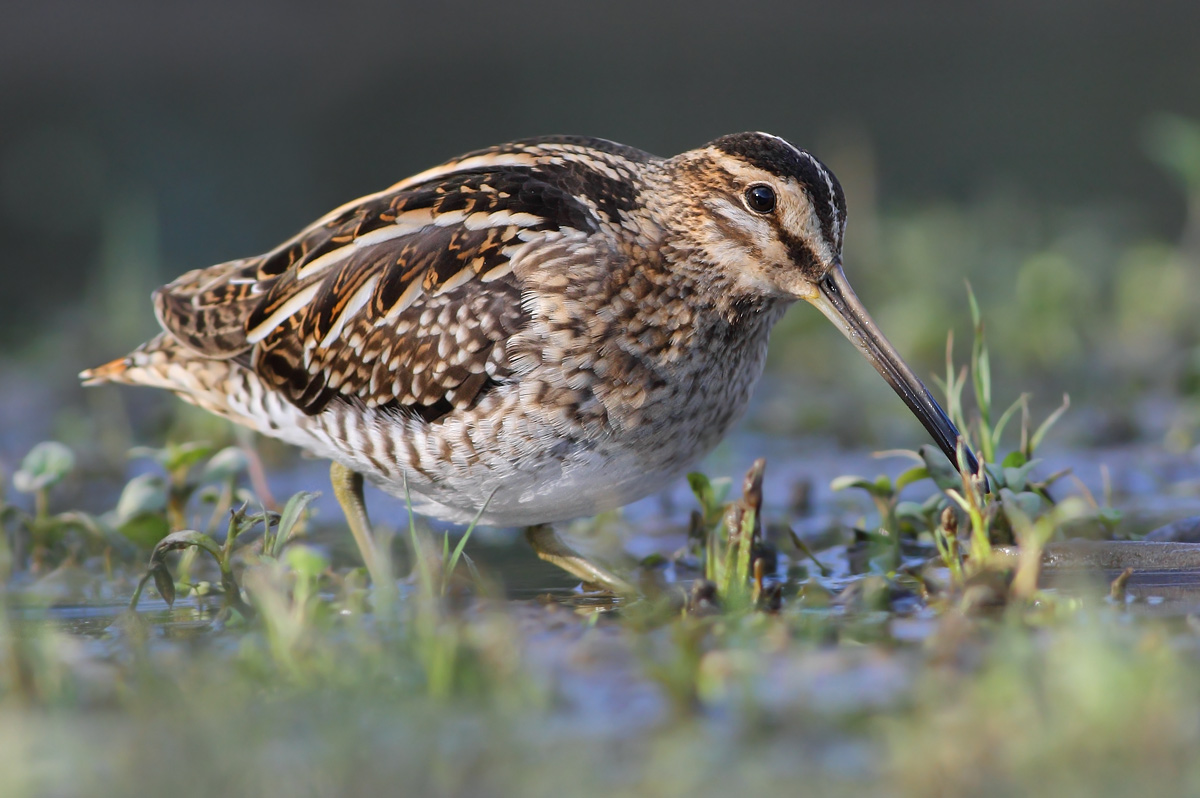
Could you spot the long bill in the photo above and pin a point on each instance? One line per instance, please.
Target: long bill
(836, 299)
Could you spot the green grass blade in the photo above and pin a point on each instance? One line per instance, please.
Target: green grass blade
(424, 575)
(1040, 433)
(452, 561)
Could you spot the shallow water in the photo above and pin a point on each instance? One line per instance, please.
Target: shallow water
(1149, 486)
(573, 640)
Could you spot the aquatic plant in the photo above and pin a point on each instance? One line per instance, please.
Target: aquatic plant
(969, 514)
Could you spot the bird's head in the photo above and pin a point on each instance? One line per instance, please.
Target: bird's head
(768, 219)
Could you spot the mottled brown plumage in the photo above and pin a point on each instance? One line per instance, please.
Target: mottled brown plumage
(552, 327)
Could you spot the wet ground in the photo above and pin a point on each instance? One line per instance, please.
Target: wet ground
(560, 690)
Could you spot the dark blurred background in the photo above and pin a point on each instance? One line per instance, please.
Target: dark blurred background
(1048, 152)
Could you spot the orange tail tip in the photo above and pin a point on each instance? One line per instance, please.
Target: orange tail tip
(109, 372)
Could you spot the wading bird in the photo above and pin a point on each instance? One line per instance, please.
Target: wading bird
(533, 332)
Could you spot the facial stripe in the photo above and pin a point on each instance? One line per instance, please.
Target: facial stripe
(783, 159)
(834, 225)
(801, 254)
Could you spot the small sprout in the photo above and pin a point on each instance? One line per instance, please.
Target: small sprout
(183, 539)
(142, 494)
(289, 519)
(944, 475)
(731, 534)
(880, 487)
(813, 595)
(43, 467)
(174, 457)
(1018, 478)
(239, 523)
(163, 582)
(711, 495)
(1109, 517)
(1117, 590)
(157, 568)
(1036, 440)
(306, 561)
(1029, 503)
(224, 466)
(139, 511)
(799, 543)
(1014, 459)
(216, 482)
(752, 496)
(1013, 503)
(946, 537)
(766, 598)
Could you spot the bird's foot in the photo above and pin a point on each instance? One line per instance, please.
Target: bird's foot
(551, 548)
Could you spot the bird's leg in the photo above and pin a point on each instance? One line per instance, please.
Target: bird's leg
(348, 488)
(551, 548)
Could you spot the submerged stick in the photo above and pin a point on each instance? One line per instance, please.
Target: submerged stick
(1113, 555)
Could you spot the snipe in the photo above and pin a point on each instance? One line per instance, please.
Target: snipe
(551, 328)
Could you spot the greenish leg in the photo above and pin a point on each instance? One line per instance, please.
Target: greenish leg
(551, 548)
(348, 488)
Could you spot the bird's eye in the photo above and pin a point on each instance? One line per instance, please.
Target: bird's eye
(760, 198)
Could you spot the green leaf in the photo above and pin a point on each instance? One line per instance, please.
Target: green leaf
(710, 494)
(1028, 504)
(306, 561)
(184, 455)
(164, 583)
(451, 562)
(1015, 459)
(913, 512)
(293, 511)
(144, 530)
(209, 494)
(1006, 416)
(850, 481)
(1018, 478)
(1014, 479)
(183, 539)
(701, 488)
(981, 369)
(976, 316)
(173, 456)
(45, 465)
(1036, 440)
(224, 466)
(944, 475)
(935, 502)
(142, 495)
(995, 474)
(914, 474)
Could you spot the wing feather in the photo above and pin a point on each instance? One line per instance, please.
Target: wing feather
(405, 299)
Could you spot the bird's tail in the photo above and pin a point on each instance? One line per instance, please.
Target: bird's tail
(146, 365)
(163, 362)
